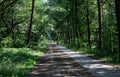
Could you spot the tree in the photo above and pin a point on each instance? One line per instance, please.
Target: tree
(100, 24)
(31, 21)
(117, 4)
(88, 23)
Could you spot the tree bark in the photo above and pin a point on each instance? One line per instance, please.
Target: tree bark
(77, 27)
(31, 22)
(117, 4)
(100, 24)
(88, 25)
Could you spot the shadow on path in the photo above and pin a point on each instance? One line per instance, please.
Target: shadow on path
(56, 63)
(96, 67)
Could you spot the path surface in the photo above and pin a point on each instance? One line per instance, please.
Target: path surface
(98, 68)
(56, 63)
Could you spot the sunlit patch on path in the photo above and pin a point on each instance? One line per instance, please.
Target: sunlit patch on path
(96, 67)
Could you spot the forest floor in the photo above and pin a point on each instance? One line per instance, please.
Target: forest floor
(62, 62)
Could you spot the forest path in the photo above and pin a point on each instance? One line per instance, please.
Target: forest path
(56, 63)
(96, 67)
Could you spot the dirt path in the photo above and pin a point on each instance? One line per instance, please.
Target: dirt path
(96, 67)
(56, 63)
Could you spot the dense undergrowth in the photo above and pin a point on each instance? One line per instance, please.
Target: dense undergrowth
(17, 62)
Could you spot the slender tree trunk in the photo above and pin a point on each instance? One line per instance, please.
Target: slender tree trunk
(73, 31)
(76, 16)
(88, 25)
(31, 21)
(100, 24)
(117, 4)
(76, 23)
(111, 41)
(57, 38)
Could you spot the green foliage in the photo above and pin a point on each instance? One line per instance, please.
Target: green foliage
(70, 25)
(17, 62)
(18, 43)
(97, 53)
(40, 45)
(104, 55)
(6, 42)
(15, 20)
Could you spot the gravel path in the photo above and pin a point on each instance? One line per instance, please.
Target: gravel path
(56, 63)
(97, 68)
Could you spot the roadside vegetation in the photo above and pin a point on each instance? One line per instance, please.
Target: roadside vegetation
(17, 62)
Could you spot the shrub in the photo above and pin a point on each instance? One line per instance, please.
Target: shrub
(6, 42)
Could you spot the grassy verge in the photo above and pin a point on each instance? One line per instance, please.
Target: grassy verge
(17, 62)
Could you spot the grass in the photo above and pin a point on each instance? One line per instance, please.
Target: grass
(17, 62)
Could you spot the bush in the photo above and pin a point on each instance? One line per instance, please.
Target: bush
(18, 43)
(6, 42)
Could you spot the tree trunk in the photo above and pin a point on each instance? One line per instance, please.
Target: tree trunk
(88, 25)
(100, 24)
(31, 21)
(76, 23)
(58, 38)
(117, 4)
